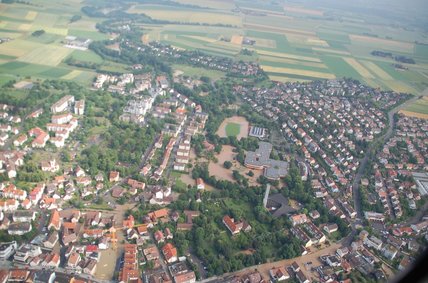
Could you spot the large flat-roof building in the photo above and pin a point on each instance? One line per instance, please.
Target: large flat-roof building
(421, 180)
(62, 104)
(257, 132)
(260, 159)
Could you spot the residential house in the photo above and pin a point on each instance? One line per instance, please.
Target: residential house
(200, 184)
(170, 253)
(52, 240)
(235, 227)
(279, 274)
(114, 176)
(55, 221)
(50, 166)
(330, 228)
(188, 277)
(24, 216)
(298, 219)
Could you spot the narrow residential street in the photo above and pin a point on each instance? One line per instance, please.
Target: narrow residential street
(372, 150)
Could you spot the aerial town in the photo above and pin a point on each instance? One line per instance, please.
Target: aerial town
(85, 224)
(175, 165)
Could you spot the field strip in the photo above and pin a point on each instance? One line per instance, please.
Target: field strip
(225, 45)
(414, 114)
(302, 10)
(267, 28)
(219, 50)
(282, 16)
(358, 67)
(72, 75)
(289, 56)
(293, 62)
(201, 38)
(400, 86)
(46, 55)
(236, 39)
(25, 27)
(31, 15)
(383, 42)
(332, 51)
(374, 83)
(270, 12)
(18, 47)
(263, 42)
(304, 39)
(286, 79)
(298, 72)
(190, 16)
(215, 4)
(377, 70)
(10, 34)
(60, 31)
(316, 41)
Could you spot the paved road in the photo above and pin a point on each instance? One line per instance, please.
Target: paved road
(264, 268)
(199, 264)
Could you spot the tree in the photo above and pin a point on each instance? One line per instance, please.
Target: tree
(227, 164)
(38, 33)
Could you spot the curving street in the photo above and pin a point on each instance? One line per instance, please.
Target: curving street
(372, 151)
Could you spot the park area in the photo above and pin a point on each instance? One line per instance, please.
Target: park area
(235, 126)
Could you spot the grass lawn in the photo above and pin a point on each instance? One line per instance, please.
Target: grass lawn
(232, 129)
(94, 35)
(4, 78)
(103, 206)
(86, 56)
(198, 72)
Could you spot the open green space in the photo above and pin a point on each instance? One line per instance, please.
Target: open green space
(198, 72)
(86, 56)
(419, 106)
(233, 129)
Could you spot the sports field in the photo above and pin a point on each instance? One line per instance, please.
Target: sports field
(233, 129)
(235, 126)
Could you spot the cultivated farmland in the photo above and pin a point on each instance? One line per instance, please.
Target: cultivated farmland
(42, 56)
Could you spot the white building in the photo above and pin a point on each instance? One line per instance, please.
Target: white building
(62, 104)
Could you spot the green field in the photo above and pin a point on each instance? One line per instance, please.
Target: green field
(233, 129)
(419, 106)
(42, 56)
(86, 56)
(198, 72)
(293, 40)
